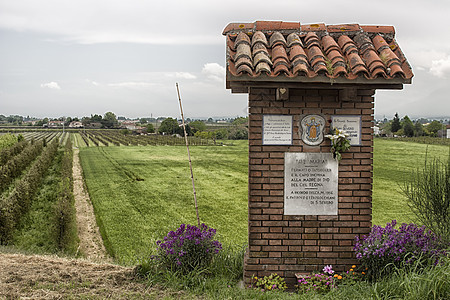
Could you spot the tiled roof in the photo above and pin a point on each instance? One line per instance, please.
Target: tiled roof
(290, 51)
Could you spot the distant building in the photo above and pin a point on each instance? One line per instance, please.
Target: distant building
(54, 124)
(95, 125)
(448, 131)
(76, 124)
(130, 125)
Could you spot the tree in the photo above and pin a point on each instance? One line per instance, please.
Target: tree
(240, 121)
(197, 126)
(170, 126)
(434, 127)
(150, 128)
(396, 126)
(67, 121)
(110, 120)
(15, 119)
(408, 126)
(42, 122)
(418, 129)
(96, 118)
(221, 134)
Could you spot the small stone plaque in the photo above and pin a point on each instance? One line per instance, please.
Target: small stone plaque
(277, 130)
(351, 125)
(310, 184)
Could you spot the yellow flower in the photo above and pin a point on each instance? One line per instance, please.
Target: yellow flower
(339, 277)
(364, 273)
(354, 273)
(353, 266)
(269, 287)
(351, 270)
(336, 275)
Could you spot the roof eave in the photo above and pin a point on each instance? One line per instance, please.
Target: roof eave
(264, 80)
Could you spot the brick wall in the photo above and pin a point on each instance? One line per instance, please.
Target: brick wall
(300, 244)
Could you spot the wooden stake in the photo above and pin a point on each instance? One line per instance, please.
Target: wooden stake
(189, 155)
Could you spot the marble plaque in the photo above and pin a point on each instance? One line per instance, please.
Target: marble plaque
(351, 125)
(277, 130)
(310, 184)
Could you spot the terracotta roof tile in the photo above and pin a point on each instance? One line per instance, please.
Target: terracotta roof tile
(314, 27)
(343, 28)
(277, 38)
(294, 39)
(294, 51)
(259, 37)
(329, 44)
(275, 25)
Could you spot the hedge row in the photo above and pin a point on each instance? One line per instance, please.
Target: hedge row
(17, 164)
(14, 206)
(7, 140)
(7, 153)
(65, 209)
(85, 138)
(107, 138)
(97, 138)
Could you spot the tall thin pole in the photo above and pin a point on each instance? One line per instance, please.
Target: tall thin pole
(189, 155)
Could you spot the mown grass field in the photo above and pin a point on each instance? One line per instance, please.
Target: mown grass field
(393, 163)
(140, 193)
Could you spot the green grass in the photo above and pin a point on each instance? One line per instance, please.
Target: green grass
(393, 163)
(133, 214)
(407, 284)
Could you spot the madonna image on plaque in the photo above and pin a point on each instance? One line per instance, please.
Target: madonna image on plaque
(312, 129)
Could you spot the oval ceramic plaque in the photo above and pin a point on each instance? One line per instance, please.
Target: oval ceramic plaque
(312, 129)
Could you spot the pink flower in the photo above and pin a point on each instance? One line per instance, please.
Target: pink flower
(328, 269)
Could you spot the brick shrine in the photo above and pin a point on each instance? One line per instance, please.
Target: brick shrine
(293, 70)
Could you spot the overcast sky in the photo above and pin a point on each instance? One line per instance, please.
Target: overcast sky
(83, 57)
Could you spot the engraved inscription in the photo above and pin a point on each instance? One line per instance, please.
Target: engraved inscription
(310, 184)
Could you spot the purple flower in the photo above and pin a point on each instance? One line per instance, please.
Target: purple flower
(197, 241)
(390, 245)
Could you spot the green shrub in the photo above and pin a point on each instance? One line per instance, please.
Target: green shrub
(65, 210)
(7, 140)
(12, 151)
(14, 206)
(272, 282)
(15, 166)
(317, 283)
(188, 248)
(428, 196)
(219, 277)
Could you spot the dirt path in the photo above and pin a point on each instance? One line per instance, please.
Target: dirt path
(91, 243)
(51, 277)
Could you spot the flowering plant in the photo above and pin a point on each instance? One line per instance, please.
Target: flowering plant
(269, 283)
(339, 142)
(329, 279)
(386, 248)
(187, 248)
(317, 282)
(350, 277)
